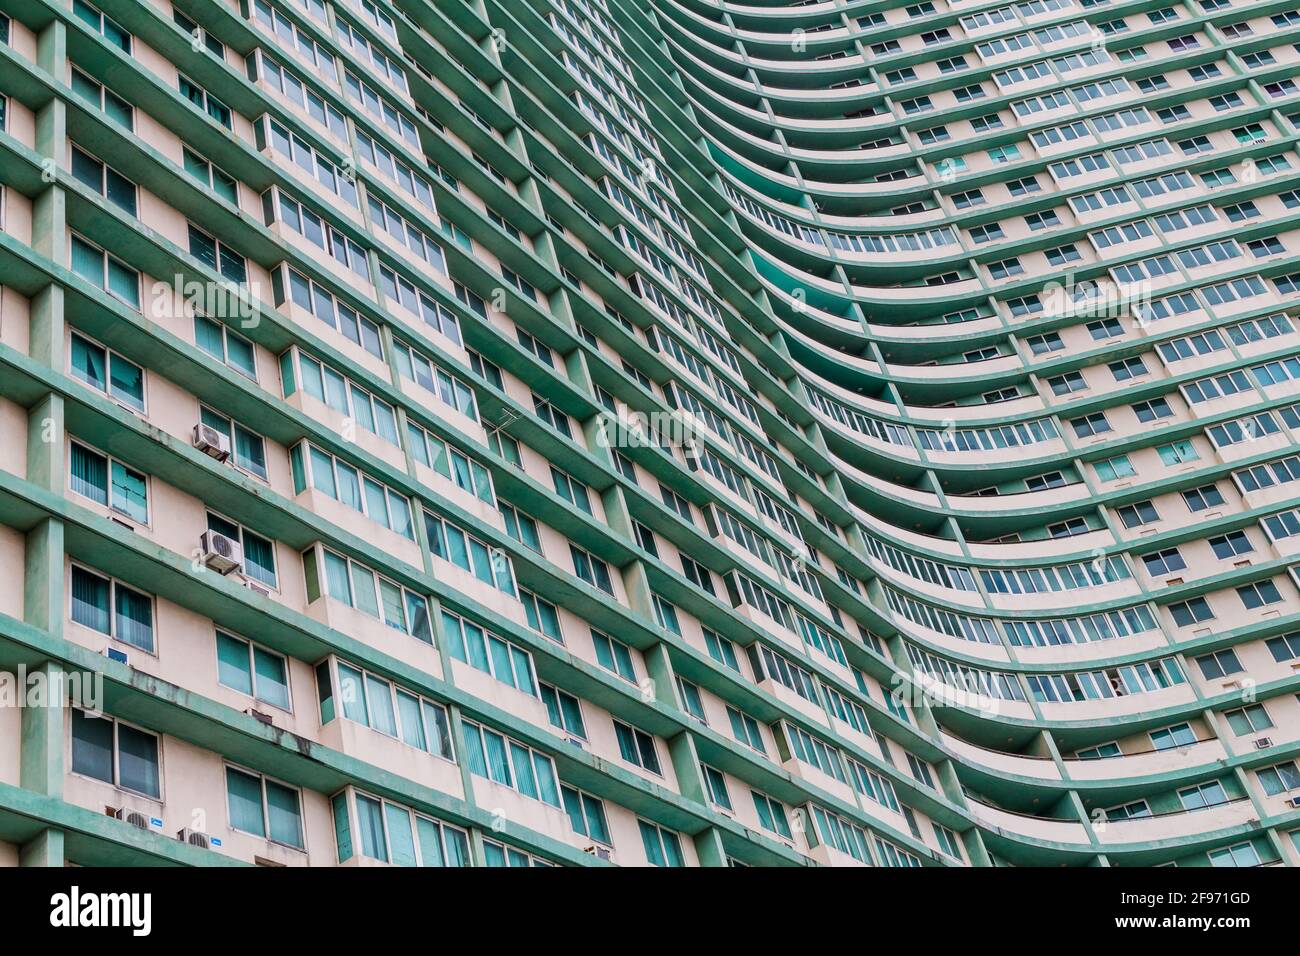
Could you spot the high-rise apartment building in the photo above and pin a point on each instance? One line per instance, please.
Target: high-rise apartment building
(684, 432)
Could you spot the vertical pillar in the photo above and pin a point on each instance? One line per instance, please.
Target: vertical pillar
(44, 722)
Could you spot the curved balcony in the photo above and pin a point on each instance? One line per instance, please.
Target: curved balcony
(1235, 814)
(1001, 764)
(1023, 827)
(1148, 763)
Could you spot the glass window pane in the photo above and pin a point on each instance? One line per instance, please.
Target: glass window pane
(400, 836)
(232, 664)
(272, 682)
(126, 382)
(244, 793)
(370, 823)
(129, 495)
(133, 622)
(90, 600)
(352, 690)
(88, 363)
(284, 814)
(408, 709)
(379, 694)
(92, 746)
(89, 474)
(430, 837)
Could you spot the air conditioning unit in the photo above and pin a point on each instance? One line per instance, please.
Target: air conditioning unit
(257, 588)
(220, 553)
(194, 838)
(211, 442)
(599, 852)
(1263, 743)
(133, 817)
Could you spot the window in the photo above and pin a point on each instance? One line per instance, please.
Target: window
(920, 770)
(510, 763)
(691, 700)
(1284, 648)
(721, 649)
(198, 34)
(591, 569)
(571, 490)
(264, 807)
(1068, 528)
(1128, 368)
(947, 841)
(745, 729)
(1168, 738)
(499, 854)
(1067, 384)
(1230, 545)
(247, 449)
(1160, 563)
(1105, 329)
(564, 711)
(1210, 794)
(491, 565)
(355, 585)
(335, 478)
(108, 482)
(481, 649)
(637, 747)
(105, 180)
(107, 372)
(372, 701)
(662, 846)
(1115, 468)
(1250, 719)
(252, 670)
(1242, 854)
(360, 407)
(105, 272)
(1177, 453)
(1154, 410)
(219, 182)
(1219, 664)
(103, 25)
(614, 656)
(112, 608)
(1129, 811)
(451, 391)
(319, 302)
(217, 255)
(1186, 613)
(771, 815)
(390, 833)
(114, 107)
(226, 346)
(1280, 778)
(106, 749)
(1090, 425)
(586, 814)
(1260, 594)
(1138, 514)
(1198, 499)
(716, 783)
(205, 101)
(259, 553)
(543, 616)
